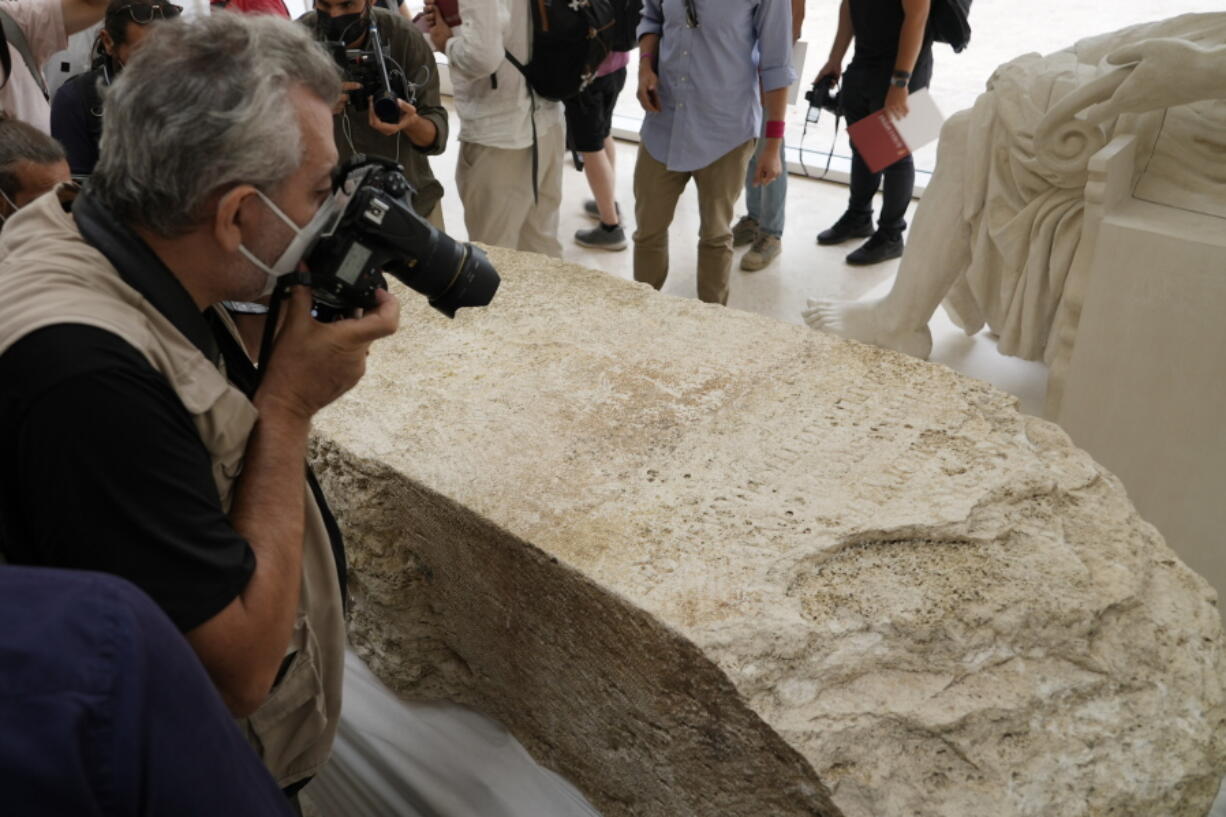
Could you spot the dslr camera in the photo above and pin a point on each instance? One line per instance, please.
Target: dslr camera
(823, 96)
(371, 228)
(382, 79)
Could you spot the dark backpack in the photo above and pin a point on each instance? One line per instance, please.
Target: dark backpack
(570, 38)
(948, 22)
(627, 14)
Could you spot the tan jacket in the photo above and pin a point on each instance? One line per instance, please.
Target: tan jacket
(50, 275)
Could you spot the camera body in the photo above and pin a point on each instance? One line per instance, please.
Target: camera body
(824, 96)
(373, 230)
(381, 79)
(361, 66)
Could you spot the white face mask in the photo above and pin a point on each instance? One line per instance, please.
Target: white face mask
(303, 240)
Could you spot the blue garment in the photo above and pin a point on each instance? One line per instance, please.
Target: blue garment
(765, 204)
(105, 711)
(709, 75)
(76, 121)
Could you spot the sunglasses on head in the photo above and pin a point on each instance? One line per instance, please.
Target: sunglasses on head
(145, 13)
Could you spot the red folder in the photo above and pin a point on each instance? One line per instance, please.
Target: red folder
(450, 9)
(879, 142)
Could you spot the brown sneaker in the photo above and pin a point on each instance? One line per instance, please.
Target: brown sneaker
(744, 231)
(766, 248)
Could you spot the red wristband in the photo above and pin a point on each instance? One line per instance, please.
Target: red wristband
(774, 129)
(645, 55)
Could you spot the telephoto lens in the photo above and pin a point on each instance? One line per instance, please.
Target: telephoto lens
(374, 229)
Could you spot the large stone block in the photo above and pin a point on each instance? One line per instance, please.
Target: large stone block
(704, 563)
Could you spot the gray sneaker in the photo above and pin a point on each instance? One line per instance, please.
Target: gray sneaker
(592, 210)
(744, 231)
(766, 248)
(598, 238)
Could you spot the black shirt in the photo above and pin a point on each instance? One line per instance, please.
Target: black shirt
(877, 25)
(104, 470)
(76, 121)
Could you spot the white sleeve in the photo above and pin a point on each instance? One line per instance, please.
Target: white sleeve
(475, 47)
(42, 21)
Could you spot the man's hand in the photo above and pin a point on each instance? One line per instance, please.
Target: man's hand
(314, 363)
(440, 32)
(649, 84)
(346, 87)
(770, 165)
(832, 68)
(896, 102)
(408, 116)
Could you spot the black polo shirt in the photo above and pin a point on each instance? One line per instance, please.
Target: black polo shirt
(104, 470)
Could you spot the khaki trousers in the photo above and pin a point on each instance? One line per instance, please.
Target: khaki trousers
(656, 190)
(495, 187)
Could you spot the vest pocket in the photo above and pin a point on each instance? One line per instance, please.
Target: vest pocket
(287, 728)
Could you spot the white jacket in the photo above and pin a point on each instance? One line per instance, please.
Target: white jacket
(495, 116)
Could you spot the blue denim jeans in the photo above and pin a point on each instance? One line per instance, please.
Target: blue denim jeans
(766, 203)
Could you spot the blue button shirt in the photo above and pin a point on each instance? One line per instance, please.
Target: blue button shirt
(709, 75)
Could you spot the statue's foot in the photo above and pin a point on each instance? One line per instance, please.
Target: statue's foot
(862, 321)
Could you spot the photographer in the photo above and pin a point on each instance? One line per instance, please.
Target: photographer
(76, 110)
(422, 128)
(893, 58)
(138, 438)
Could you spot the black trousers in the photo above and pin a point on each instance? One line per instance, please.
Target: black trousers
(863, 92)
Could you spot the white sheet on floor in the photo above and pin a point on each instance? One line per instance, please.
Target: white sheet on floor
(431, 760)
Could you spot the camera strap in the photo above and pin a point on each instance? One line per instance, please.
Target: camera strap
(536, 159)
(17, 38)
(140, 268)
(246, 377)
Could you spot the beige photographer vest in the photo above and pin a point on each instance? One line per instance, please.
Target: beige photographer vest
(49, 275)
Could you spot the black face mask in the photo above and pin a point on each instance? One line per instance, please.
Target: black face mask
(344, 28)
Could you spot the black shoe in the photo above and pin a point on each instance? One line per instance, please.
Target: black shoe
(592, 210)
(880, 247)
(849, 225)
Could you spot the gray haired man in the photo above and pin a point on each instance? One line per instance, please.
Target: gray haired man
(31, 163)
(137, 439)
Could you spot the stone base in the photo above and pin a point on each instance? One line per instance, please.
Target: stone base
(701, 562)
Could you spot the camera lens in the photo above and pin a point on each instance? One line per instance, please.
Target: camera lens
(451, 275)
(386, 108)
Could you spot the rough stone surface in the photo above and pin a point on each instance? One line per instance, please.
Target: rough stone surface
(702, 563)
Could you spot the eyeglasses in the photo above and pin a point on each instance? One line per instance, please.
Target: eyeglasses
(691, 14)
(145, 13)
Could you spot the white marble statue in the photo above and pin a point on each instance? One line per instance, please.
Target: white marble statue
(996, 231)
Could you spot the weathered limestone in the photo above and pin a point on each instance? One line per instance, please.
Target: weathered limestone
(703, 563)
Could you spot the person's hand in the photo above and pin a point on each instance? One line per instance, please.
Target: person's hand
(832, 68)
(346, 87)
(1166, 72)
(770, 164)
(440, 32)
(408, 115)
(649, 87)
(896, 102)
(314, 363)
